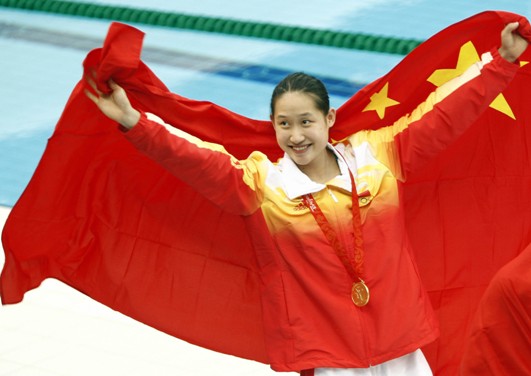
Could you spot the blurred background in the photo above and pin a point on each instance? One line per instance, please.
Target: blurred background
(59, 331)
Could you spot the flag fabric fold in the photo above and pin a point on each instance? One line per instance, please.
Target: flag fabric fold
(108, 221)
(500, 339)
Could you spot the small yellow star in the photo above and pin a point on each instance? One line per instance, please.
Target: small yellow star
(380, 101)
(500, 104)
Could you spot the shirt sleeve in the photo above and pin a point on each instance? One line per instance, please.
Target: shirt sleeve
(232, 184)
(447, 113)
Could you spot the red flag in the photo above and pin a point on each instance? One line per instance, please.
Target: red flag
(111, 223)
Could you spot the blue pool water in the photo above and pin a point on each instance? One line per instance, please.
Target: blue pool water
(42, 56)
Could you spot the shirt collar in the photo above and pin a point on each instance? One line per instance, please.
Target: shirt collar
(297, 184)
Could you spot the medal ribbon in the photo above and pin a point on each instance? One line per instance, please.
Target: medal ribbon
(356, 271)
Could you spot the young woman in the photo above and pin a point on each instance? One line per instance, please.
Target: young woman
(341, 293)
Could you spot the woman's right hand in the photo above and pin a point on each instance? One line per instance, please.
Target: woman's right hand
(115, 105)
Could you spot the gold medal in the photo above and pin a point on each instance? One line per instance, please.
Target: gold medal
(360, 293)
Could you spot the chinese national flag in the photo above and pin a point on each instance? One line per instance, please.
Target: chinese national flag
(111, 223)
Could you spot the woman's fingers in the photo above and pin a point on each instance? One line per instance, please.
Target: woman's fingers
(92, 91)
(510, 27)
(92, 84)
(91, 96)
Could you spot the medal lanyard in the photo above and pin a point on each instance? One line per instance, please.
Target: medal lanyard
(355, 271)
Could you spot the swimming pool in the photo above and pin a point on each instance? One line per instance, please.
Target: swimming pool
(43, 56)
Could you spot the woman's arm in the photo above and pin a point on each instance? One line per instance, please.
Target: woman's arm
(228, 182)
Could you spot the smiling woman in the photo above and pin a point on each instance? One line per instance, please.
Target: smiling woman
(291, 270)
(309, 199)
(301, 116)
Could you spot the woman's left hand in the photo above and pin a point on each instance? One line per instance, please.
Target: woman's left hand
(512, 43)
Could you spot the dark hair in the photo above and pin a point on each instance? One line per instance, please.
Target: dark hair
(303, 83)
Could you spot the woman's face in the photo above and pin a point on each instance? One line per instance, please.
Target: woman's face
(301, 128)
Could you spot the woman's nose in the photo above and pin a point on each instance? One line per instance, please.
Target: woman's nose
(296, 136)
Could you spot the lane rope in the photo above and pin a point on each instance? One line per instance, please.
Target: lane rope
(270, 31)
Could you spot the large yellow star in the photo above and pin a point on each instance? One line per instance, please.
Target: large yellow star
(468, 55)
(380, 101)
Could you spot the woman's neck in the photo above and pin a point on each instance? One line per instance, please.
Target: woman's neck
(324, 169)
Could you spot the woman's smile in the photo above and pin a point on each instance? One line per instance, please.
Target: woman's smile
(300, 149)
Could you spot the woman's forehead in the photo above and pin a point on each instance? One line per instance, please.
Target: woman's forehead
(295, 103)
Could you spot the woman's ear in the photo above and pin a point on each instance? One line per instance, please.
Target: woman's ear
(331, 117)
